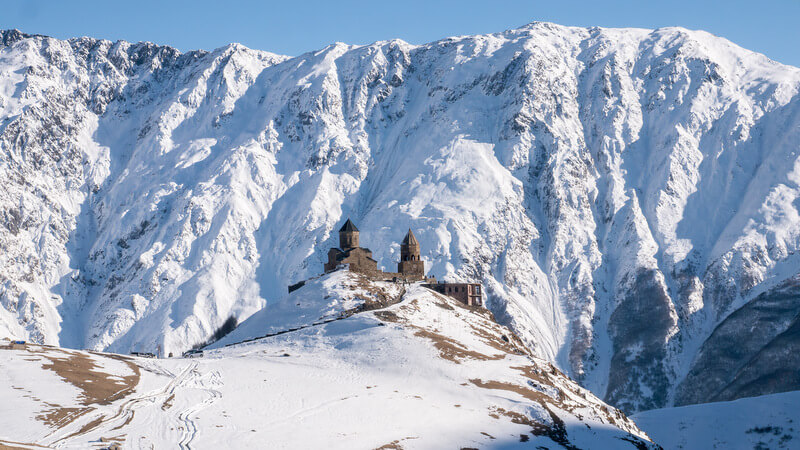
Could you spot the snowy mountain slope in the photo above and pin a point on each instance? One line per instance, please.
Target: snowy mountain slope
(619, 193)
(424, 373)
(728, 367)
(331, 297)
(767, 422)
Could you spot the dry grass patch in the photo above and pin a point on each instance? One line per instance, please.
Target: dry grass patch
(168, 402)
(59, 416)
(379, 297)
(387, 316)
(528, 393)
(452, 350)
(515, 417)
(89, 426)
(96, 387)
(395, 444)
(12, 445)
(127, 421)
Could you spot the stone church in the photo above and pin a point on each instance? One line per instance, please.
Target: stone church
(359, 259)
(349, 252)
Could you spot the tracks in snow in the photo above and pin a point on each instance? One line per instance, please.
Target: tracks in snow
(188, 415)
(98, 422)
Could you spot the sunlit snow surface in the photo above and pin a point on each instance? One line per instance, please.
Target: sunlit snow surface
(766, 422)
(424, 373)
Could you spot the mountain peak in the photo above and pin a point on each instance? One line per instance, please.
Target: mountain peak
(9, 37)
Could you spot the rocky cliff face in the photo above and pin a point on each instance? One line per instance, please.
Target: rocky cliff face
(621, 194)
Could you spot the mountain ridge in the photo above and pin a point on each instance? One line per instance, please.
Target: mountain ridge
(588, 177)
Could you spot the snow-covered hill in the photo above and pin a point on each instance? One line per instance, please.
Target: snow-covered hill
(324, 299)
(426, 372)
(627, 197)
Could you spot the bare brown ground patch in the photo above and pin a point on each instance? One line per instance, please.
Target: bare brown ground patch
(444, 306)
(168, 402)
(387, 316)
(379, 296)
(96, 387)
(483, 325)
(528, 393)
(547, 376)
(89, 426)
(505, 340)
(12, 445)
(452, 350)
(449, 348)
(395, 444)
(127, 421)
(497, 342)
(534, 374)
(515, 417)
(59, 416)
(544, 377)
(556, 430)
(448, 302)
(118, 439)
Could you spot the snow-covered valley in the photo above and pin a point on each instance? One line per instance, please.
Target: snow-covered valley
(628, 198)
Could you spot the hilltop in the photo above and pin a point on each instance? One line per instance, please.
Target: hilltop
(425, 372)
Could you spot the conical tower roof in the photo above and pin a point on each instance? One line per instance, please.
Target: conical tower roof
(410, 239)
(348, 226)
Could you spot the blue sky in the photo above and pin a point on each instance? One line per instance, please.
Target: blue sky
(290, 27)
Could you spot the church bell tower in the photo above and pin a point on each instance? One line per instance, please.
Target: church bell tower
(348, 236)
(411, 265)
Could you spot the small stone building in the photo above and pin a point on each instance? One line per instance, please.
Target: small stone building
(467, 293)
